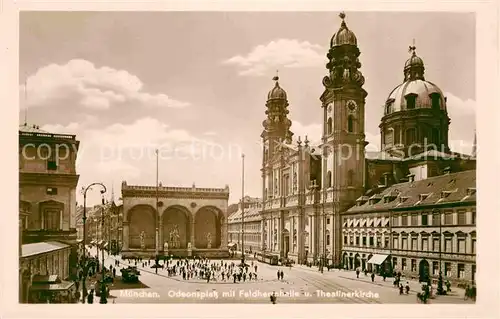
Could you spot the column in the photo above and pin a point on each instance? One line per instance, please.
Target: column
(125, 236)
(313, 236)
(61, 219)
(280, 233)
(191, 233)
(300, 236)
(262, 223)
(223, 233)
(160, 235)
(282, 237)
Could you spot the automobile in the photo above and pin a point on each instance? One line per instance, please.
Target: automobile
(130, 274)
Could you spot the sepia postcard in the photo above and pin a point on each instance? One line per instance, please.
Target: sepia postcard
(227, 157)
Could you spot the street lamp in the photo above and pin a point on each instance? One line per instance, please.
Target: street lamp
(103, 298)
(243, 208)
(85, 266)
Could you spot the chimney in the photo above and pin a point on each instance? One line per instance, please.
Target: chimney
(447, 170)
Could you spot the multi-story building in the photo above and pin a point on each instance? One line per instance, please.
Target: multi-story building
(307, 188)
(252, 234)
(420, 228)
(47, 189)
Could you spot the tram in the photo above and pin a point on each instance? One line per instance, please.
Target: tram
(267, 258)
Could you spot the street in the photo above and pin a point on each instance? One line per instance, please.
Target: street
(300, 285)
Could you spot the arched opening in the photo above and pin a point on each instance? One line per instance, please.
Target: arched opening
(51, 213)
(350, 178)
(410, 135)
(350, 123)
(142, 224)
(175, 230)
(357, 261)
(329, 179)
(207, 228)
(423, 270)
(329, 126)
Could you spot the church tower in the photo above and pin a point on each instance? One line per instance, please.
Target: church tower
(276, 131)
(343, 103)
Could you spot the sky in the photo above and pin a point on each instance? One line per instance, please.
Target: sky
(194, 85)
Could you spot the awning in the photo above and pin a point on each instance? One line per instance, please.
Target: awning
(377, 259)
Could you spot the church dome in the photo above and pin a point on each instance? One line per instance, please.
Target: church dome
(277, 93)
(415, 92)
(343, 36)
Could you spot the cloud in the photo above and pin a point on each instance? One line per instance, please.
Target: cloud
(81, 83)
(459, 107)
(281, 53)
(313, 131)
(210, 133)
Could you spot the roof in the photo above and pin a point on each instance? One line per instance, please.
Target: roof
(31, 128)
(252, 211)
(449, 188)
(431, 154)
(41, 248)
(370, 155)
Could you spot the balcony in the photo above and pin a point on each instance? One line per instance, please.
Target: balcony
(292, 200)
(39, 235)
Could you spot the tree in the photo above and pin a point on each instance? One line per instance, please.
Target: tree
(440, 289)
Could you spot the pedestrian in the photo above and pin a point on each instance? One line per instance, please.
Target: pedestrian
(373, 277)
(357, 273)
(279, 275)
(282, 274)
(114, 272)
(401, 289)
(255, 267)
(90, 297)
(407, 288)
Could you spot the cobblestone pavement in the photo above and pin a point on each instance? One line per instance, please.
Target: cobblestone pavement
(300, 285)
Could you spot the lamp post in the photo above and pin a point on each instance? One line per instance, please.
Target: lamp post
(242, 208)
(85, 268)
(157, 233)
(103, 298)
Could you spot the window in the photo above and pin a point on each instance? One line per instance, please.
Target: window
(328, 239)
(350, 177)
(329, 179)
(436, 101)
(371, 240)
(328, 221)
(405, 243)
(52, 161)
(414, 220)
(435, 268)
(461, 217)
(386, 242)
(414, 244)
(395, 221)
(435, 219)
(364, 241)
(403, 263)
(473, 246)
(410, 136)
(447, 245)
(350, 124)
(473, 272)
(461, 271)
(389, 136)
(473, 221)
(461, 245)
(395, 243)
(357, 240)
(345, 239)
(447, 269)
(413, 265)
(329, 126)
(448, 218)
(435, 244)
(410, 101)
(51, 191)
(404, 220)
(425, 244)
(424, 220)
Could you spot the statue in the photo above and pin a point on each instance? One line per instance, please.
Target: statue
(209, 240)
(175, 237)
(142, 235)
(165, 247)
(189, 246)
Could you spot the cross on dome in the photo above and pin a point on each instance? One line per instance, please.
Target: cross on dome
(276, 77)
(412, 48)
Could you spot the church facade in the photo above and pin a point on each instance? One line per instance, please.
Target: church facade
(307, 189)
